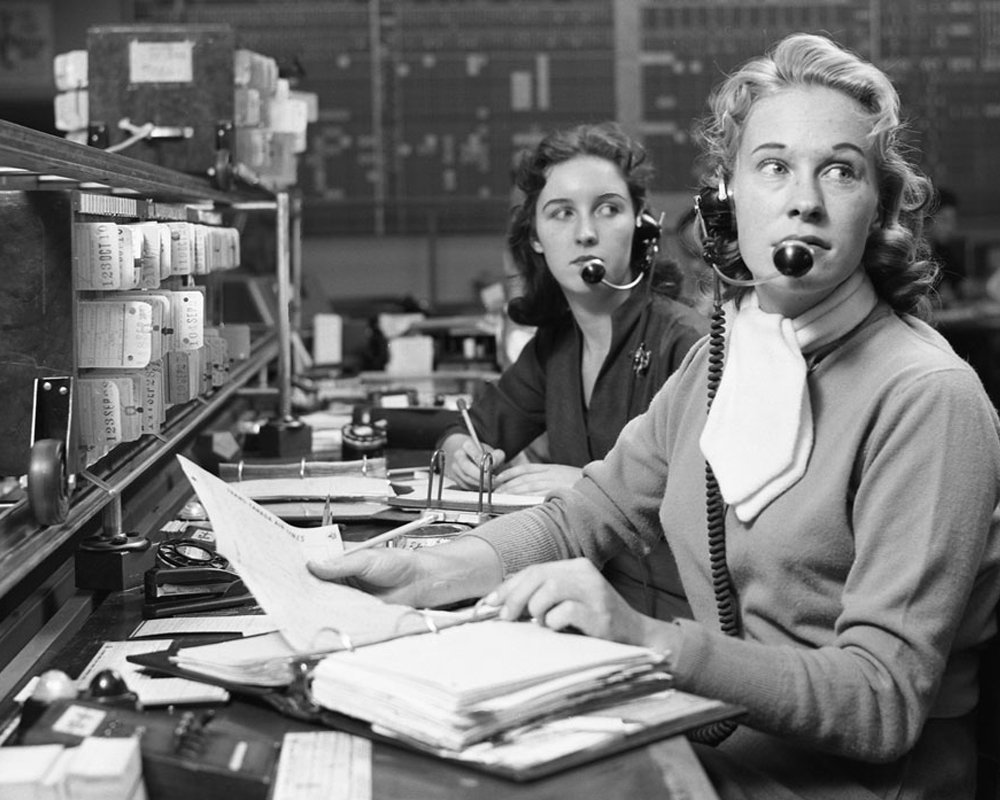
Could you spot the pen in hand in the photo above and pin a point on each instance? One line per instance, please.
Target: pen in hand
(464, 409)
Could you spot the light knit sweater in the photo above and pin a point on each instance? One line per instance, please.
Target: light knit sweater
(864, 590)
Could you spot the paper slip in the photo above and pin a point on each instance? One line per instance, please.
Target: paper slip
(324, 765)
(152, 691)
(336, 487)
(244, 624)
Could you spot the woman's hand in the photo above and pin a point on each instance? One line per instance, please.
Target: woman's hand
(536, 478)
(427, 577)
(390, 573)
(570, 594)
(462, 457)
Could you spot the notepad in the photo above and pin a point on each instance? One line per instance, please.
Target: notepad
(151, 691)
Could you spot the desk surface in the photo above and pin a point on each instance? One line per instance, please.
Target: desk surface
(668, 769)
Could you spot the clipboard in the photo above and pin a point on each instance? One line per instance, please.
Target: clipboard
(294, 701)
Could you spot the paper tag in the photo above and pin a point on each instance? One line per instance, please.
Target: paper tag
(147, 254)
(201, 234)
(218, 357)
(130, 256)
(188, 311)
(181, 248)
(153, 404)
(162, 320)
(182, 378)
(95, 253)
(166, 251)
(100, 412)
(114, 334)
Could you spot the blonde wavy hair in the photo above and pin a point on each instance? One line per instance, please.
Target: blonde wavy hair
(896, 255)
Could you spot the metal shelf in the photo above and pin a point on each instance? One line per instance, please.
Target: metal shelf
(24, 546)
(30, 158)
(32, 557)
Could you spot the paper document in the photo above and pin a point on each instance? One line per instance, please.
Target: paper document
(152, 691)
(244, 624)
(336, 487)
(270, 556)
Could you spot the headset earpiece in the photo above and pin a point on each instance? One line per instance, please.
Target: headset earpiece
(646, 239)
(716, 224)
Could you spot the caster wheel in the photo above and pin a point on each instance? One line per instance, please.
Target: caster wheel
(48, 483)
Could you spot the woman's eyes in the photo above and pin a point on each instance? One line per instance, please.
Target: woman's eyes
(841, 172)
(603, 210)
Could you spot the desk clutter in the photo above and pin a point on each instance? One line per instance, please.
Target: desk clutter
(508, 698)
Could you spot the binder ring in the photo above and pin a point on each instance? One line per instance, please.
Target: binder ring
(345, 640)
(486, 479)
(436, 468)
(431, 624)
(239, 471)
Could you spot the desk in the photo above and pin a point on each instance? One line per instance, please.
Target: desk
(666, 770)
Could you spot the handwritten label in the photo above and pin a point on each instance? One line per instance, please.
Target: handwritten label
(161, 62)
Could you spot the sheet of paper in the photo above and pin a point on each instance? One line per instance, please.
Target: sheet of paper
(336, 487)
(324, 765)
(268, 555)
(152, 691)
(244, 624)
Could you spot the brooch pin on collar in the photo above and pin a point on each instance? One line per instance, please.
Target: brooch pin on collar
(640, 359)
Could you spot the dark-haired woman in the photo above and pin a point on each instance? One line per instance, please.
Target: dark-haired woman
(599, 353)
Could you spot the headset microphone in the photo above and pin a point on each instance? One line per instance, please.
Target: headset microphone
(793, 258)
(593, 273)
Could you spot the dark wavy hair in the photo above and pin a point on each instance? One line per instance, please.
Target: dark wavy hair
(897, 254)
(542, 301)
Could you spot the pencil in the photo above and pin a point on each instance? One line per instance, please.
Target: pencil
(327, 512)
(433, 516)
(468, 423)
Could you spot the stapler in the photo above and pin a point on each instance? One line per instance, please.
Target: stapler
(189, 590)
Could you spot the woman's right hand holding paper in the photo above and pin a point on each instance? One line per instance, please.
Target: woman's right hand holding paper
(426, 577)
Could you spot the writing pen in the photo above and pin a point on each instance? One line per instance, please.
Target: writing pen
(464, 409)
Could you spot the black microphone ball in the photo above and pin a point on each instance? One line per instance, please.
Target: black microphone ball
(793, 259)
(592, 272)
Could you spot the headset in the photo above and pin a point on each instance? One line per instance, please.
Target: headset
(792, 258)
(714, 209)
(645, 246)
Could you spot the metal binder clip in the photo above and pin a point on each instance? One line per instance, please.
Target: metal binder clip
(485, 479)
(436, 468)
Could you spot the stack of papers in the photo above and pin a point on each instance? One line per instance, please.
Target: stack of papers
(465, 684)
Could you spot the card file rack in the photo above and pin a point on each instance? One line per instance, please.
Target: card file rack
(46, 185)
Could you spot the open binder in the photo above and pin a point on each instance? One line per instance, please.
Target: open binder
(537, 749)
(511, 698)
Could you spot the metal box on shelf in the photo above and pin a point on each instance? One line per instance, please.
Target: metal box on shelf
(168, 87)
